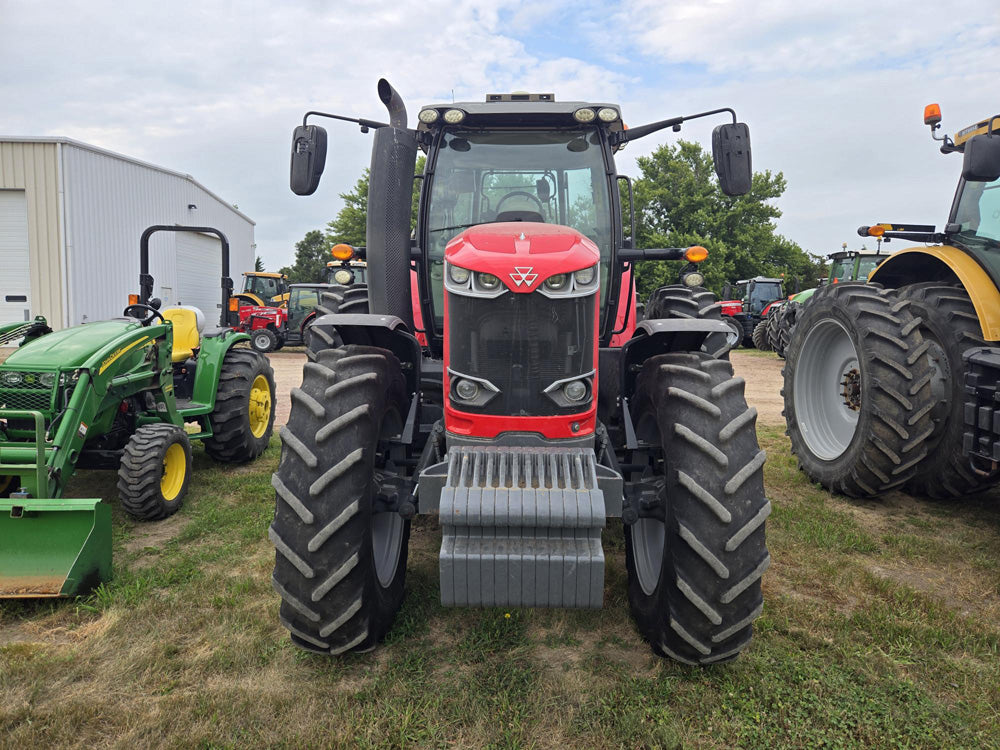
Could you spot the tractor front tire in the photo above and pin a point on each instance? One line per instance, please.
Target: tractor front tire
(950, 323)
(339, 565)
(337, 300)
(263, 340)
(243, 417)
(858, 390)
(695, 562)
(680, 301)
(155, 471)
(759, 336)
(783, 327)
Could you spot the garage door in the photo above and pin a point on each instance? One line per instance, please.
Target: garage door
(15, 280)
(199, 274)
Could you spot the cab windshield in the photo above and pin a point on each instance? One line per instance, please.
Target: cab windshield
(265, 287)
(977, 210)
(556, 177)
(866, 265)
(841, 270)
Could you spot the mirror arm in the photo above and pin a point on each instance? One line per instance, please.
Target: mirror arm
(624, 136)
(365, 124)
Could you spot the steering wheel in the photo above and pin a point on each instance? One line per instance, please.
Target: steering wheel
(153, 313)
(522, 194)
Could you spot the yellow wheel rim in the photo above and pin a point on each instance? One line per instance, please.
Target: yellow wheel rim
(174, 472)
(260, 406)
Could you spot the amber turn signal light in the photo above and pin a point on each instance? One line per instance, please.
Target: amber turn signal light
(133, 299)
(342, 252)
(695, 254)
(932, 114)
(234, 304)
(876, 231)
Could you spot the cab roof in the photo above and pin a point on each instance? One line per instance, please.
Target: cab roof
(521, 110)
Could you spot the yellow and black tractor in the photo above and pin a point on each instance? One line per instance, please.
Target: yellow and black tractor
(264, 289)
(894, 384)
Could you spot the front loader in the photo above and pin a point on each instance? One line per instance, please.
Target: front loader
(127, 394)
(528, 421)
(893, 384)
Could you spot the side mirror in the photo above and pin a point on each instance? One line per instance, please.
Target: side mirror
(727, 291)
(731, 154)
(308, 158)
(982, 158)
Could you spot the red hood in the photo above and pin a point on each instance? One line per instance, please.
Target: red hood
(522, 254)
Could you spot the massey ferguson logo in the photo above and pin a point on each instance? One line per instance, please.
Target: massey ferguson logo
(523, 276)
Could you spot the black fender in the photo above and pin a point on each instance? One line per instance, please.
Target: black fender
(384, 331)
(661, 336)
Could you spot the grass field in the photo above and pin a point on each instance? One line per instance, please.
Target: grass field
(880, 629)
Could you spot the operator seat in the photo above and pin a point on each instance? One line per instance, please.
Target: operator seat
(187, 322)
(522, 215)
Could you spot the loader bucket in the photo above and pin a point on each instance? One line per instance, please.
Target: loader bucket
(53, 547)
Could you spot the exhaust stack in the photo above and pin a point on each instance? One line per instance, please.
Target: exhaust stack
(393, 102)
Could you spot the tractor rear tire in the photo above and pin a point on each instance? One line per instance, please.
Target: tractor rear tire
(787, 316)
(772, 328)
(264, 340)
(950, 323)
(858, 390)
(155, 471)
(760, 337)
(243, 418)
(695, 565)
(680, 301)
(338, 299)
(339, 565)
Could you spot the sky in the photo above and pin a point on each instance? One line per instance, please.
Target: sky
(833, 92)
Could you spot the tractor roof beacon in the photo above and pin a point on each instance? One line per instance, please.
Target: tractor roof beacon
(532, 408)
(927, 325)
(117, 394)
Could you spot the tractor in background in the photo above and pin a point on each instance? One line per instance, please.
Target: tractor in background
(751, 304)
(893, 383)
(128, 394)
(534, 410)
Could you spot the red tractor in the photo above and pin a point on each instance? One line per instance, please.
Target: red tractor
(518, 422)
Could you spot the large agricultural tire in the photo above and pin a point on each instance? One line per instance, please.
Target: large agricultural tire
(243, 417)
(772, 328)
(950, 323)
(339, 299)
(760, 336)
(680, 301)
(784, 324)
(339, 565)
(264, 340)
(155, 471)
(735, 337)
(858, 390)
(694, 566)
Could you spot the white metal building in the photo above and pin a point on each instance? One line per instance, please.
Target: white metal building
(70, 220)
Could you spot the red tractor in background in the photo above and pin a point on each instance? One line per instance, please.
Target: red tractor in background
(523, 407)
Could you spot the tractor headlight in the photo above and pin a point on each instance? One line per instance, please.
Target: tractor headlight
(458, 274)
(575, 390)
(48, 379)
(343, 276)
(557, 282)
(487, 281)
(427, 116)
(454, 116)
(11, 378)
(693, 279)
(585, 276)
(607, 114)
(466, 389)
(584, 114)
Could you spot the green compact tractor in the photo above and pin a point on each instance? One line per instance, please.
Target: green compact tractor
(893, 383)
(845, 265)
(130, 394)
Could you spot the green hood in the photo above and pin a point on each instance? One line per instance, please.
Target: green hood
(68, 348)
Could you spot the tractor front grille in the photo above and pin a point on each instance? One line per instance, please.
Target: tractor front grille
(29, 394)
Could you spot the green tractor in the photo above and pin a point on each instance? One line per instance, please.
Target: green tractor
(845, 265)
(131, 394)
(893, 383)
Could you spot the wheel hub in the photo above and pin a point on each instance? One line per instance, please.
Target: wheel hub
(851, 392)
(260, 406)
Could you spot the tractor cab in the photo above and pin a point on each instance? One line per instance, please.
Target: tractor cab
(758, 292)
(264, 289)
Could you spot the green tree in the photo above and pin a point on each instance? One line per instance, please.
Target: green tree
(678, 202)
(258, 264)
(311, 255)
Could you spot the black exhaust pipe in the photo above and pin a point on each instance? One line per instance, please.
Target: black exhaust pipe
(393, 102)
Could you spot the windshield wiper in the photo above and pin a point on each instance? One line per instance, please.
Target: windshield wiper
(457, 226)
